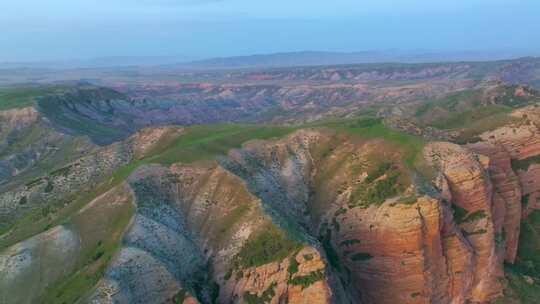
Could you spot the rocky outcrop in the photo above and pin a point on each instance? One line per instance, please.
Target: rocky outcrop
(301, 278)
(17, 119)
(407, 248)
(201, 217)
(395, 252)
(147, 139)
(521, 141)
(475, 213)
(507, 194)
(522, 138)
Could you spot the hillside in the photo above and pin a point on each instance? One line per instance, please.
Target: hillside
(413, 184)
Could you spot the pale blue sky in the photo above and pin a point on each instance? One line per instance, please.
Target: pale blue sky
(72, 29)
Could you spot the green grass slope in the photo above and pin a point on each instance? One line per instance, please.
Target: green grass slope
(24, 96)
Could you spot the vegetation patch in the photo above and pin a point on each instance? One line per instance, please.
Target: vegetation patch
(366, 122)
(62, 171)
(371, 128)
(179, 297)
(469, 118)
(361, 257)
(200, 143)
(100, 239)
(375, 193)
(415, 294)
(269, 245)
(459, 213)
(462, 216)
(477, 215)
(20, 97)
(293, 265)
(23, 200)
(34, 182)
(479, 231)
(528, 256)
(309, 279)
(469, 112)
(408, 200)
(525, 200)
(49, 187)
(524, 164)
(331, 253)
(519, 288)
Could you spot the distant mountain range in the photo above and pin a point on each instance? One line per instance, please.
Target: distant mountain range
(302, 58)
(309, 58)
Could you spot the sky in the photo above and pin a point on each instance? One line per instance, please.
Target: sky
(38, 30)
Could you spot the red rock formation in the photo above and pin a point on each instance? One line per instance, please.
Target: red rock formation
(275, 282)
(395, 252)
(507, 195)
(530, 186)
(521, 141)
(472, 191)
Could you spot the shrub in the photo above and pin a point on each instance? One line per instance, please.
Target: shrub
(270, 244)
(480, 231)
(459, 213)
(308, 280)
(308, 257)
(361, 257)
(480, 214)
(49, 187)
(525, 200)
(98, 255)
(293, 265)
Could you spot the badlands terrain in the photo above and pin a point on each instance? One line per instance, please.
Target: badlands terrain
(371, 183)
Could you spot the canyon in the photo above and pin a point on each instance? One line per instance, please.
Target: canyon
(348, 184)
